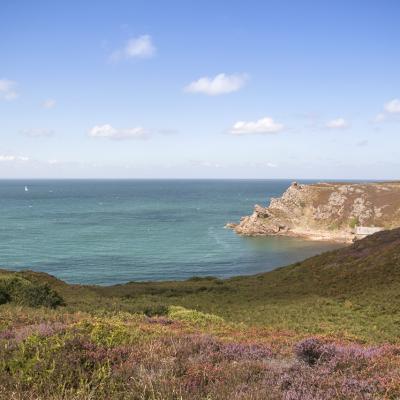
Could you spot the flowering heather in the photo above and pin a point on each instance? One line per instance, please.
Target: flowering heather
(84, 360)
(239, 351)
(43, 330)
(313, 350)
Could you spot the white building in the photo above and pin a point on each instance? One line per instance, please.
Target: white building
(363, 231)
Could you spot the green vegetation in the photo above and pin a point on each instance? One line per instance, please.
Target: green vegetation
(351, 292)
(354, 222)
(22, 291)
(324, 328)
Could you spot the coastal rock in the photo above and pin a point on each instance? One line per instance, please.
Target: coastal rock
(325, 211)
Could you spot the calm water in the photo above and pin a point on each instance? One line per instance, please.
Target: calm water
(108, 232)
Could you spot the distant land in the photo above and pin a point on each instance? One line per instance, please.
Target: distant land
(326, 211)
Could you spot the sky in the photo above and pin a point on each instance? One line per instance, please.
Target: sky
(200, 89)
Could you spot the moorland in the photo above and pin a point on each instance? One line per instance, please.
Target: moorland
(324, 328)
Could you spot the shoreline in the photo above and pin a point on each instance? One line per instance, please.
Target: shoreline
(315, 236)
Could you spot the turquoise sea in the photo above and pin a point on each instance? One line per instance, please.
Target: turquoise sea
(114, 231)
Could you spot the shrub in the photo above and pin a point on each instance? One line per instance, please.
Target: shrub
(4, 296)
(309, 350)
(41, 295)
(202, 278)
(193, 316)
(23, 292)
(156, 310)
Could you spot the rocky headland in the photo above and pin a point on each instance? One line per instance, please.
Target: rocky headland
(326, 211)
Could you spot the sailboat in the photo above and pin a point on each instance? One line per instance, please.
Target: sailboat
(26, 189)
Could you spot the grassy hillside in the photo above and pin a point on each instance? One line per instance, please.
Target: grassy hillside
(325, 328)
(353, 291)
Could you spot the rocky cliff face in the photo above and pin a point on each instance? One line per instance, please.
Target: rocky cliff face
(325, 211)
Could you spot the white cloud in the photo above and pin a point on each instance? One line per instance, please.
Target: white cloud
(109, 132)
(339, 123)
(393, 106)
(12, 158)
(49, 103)
(220, 84)
(139, 47)
(389, 108)
(7, 89)
(36, 133)
(262, 126)
(380, 117)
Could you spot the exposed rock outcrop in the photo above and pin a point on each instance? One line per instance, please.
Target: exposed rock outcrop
(325, 211)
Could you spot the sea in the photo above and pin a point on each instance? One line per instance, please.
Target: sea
(114, 231)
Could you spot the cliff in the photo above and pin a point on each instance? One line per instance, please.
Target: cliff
(325, 211)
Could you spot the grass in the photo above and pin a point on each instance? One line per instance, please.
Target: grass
(325, 328)
(354, 222)
(352, 292)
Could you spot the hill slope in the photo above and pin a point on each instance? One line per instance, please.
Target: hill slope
(245, 338)
(350, 291)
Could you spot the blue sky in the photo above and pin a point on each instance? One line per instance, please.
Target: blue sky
(210, 89)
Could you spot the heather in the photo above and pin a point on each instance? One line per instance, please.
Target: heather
(124, 356)
(326, 328)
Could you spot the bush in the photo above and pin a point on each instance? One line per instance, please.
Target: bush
(202, 278)
(309, 350)
(156, 310)
(4, 296)
(25, 293)
(193, 316)
(40, 295)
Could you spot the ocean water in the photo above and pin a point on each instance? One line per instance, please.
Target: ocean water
(114, 231)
